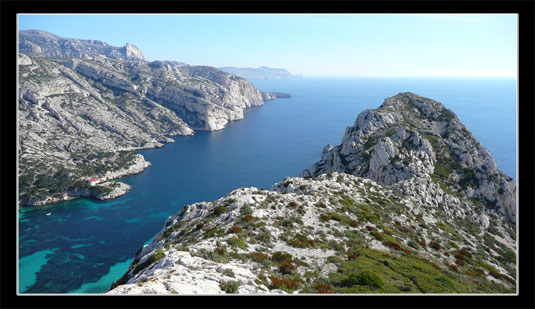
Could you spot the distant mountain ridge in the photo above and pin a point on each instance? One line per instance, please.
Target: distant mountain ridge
(45, 44)
(262, 72)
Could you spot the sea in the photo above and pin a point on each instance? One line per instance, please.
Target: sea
(84, 245)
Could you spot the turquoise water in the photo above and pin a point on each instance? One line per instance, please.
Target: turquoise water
(94, 241)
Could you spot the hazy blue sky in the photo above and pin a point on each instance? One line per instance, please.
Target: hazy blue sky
(310, 44)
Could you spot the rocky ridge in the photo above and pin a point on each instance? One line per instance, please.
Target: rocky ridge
(334, 232)
(412, 137)
(43, 43)
(83, 103)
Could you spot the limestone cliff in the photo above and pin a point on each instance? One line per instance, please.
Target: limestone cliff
(83, 102)
(43, 43)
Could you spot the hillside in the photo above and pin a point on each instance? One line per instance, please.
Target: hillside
(357, 222)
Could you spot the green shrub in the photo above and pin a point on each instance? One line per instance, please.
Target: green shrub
(508, 256)
(366, 278)
(281, 257)
(229, 287)
(219, 210)
(258, 257)
(236, 242)
(228, 272)
(158, 255)
(246, 210)
(334, 259)
(413, 244)
(211, 232)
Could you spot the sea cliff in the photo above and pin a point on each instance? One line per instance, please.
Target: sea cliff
(84, 106)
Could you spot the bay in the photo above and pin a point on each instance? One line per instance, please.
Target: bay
(93, 240)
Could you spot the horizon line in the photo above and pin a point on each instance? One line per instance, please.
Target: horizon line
(410, 76)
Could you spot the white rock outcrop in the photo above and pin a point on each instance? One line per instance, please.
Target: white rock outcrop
(234, 244)
(412, 136)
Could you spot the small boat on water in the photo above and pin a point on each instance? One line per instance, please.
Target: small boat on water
(48, 214)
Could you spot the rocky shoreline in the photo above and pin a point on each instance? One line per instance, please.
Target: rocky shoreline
(117, 188)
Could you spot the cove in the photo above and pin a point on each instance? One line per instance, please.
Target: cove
(95, 240)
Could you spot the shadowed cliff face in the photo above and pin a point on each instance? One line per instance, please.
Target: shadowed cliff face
(82, 100)
(387, 211)
(411, 137)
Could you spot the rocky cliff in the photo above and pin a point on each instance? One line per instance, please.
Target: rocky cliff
(84, 104)
(337, 232)
(411, 137)
(43, 43)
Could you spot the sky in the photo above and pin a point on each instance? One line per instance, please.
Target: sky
(327, 45)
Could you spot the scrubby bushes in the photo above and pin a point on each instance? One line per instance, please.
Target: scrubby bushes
(158, 255)
(392, 244)
(229, 287)
(258, 257)
(435, 245)
(287, 285)
(219, 210)
(281, 257)
(364, 278)
(286, 268)
(236, 242)
(236, 229)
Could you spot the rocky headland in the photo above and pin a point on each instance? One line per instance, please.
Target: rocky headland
(259, 73)
(275, 95)
(85, 105)
(399, 207)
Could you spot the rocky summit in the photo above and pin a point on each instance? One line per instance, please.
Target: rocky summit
(403, 205)
(417, 139)
(85, 105)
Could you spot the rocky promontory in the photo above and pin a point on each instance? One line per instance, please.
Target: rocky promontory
(275, 95)
(337, 232)
(412, 137)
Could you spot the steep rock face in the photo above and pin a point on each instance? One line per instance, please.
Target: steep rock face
(409, 136)
(46, 44)
(92, 99)
(327, 234)
(204, 97)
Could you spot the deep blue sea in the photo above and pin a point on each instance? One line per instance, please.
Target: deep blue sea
(85, 245)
